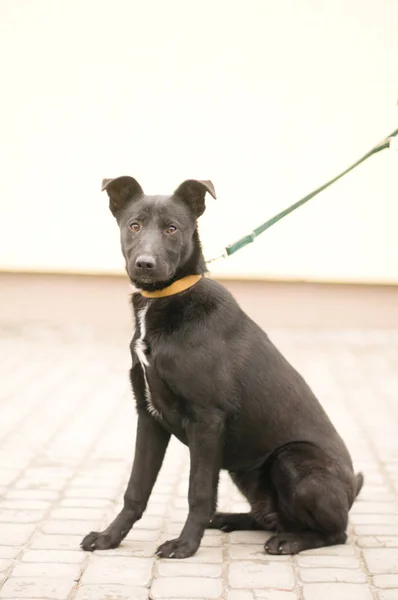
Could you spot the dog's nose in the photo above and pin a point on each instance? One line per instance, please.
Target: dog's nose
(145, 263)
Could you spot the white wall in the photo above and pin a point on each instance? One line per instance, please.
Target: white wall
(268, 98)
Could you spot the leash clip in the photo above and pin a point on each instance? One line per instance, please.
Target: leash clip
(222, 255)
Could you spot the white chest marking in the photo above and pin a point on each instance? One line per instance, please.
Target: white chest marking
(140, 348)
(140, 345)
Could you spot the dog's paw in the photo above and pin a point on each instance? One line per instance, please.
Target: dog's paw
(284, 543)
(223, 522)
(97, 540)
(177, 548)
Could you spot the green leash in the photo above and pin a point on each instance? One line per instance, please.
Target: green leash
(248, 239)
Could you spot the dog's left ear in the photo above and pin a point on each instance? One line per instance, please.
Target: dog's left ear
(193, 191)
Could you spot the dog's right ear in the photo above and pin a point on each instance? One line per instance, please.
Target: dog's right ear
(120, 191)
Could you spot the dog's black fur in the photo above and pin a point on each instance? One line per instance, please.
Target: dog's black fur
(220, 386)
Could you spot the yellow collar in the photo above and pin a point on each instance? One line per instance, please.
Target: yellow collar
(175, 288)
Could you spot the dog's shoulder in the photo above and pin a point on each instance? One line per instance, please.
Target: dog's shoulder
(214, 292)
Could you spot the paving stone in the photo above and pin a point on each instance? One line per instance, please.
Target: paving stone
(33, 587)
(55, 542)
(50, 473)
(212, 541)
(241, 595)
(244, 574)
(25, 504)
(338, 575)
(338, 550)
(54, 556)
(13, 534)
(118, 570)
(165, 488)
(143, 535)
(177, 516)
(374, 519)
(160, 510)
(274, 595)
(20, 516)
(185, 569)
(380, 541)
(9, 551)
(14, 494)
(336, 591)
(248, 537)
(186, 588)
(81, 481)
(376, 529)
(204, 555)
(87, 514)
(253, 552)
(386, 581)
(7, 476)
(368, 508)
(27, 483)
(149, 522)
(376, 493)
(130, 548)
(381, 560)
(47, 570)
(78, 528)
(343, 562)
(91, 492)
(111, 592)
(84, 503)
(388, 594)
(214, 533)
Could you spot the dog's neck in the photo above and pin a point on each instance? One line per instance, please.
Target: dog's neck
(175, 288)
(195, 265)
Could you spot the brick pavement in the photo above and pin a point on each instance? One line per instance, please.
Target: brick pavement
(66, 441)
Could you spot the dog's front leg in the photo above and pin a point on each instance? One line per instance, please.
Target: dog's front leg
(150, 448)
(205, 442)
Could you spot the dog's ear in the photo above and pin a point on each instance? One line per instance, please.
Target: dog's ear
(193, 192)
(120, 191)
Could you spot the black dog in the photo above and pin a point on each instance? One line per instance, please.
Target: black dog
(203, 371)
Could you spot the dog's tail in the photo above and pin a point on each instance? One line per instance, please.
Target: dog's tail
(360, 481)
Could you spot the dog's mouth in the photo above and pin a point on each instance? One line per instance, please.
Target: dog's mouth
(152, 282)
(151, 286)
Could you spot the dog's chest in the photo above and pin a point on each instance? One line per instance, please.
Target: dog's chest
(141, 352)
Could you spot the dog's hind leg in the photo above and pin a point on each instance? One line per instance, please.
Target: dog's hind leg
(319, 512)
(234, 522)
(292, 543)
(314, 495)
(255, 488)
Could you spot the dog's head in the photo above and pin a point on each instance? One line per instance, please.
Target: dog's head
(158, 233)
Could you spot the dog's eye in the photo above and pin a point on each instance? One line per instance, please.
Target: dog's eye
(171, 229)
(135, 227)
